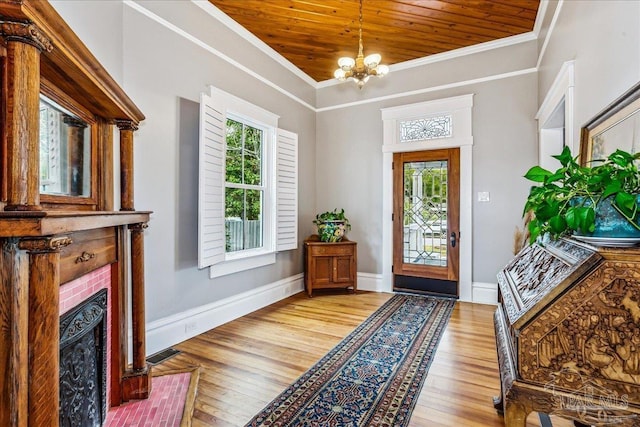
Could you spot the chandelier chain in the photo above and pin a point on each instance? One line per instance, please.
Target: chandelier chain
(360, 49)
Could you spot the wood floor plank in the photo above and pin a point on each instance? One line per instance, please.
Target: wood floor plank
(249, 361)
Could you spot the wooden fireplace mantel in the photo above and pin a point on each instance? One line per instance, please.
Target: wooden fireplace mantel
(48, 238)
(43, 223)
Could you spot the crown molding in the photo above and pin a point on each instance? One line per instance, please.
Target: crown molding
(430, 89)
(404, 65)
(542, 11)
(248, 36)
(146, 12)
(547, 37)
(452, 54)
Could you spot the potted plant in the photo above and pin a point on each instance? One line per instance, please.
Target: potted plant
(598, 201)
(332, 225)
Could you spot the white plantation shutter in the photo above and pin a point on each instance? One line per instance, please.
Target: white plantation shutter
(211, 233)
(286, 190)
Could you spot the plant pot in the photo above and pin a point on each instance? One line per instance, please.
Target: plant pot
(331, 231)
(611, 224)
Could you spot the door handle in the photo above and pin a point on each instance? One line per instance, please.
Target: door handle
(453, 239)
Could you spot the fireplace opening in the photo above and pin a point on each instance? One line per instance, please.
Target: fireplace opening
(83, 363)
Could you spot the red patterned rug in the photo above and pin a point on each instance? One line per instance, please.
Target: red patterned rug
(373, 377)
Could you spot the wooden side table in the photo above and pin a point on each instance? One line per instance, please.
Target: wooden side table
(330, 265)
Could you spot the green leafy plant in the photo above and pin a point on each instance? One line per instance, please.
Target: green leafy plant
(334, 215)
(567, 199)
(332, 225)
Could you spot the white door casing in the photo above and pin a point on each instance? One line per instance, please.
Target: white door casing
(461, 136)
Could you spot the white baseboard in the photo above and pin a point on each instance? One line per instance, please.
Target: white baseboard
(171, 330)
(370, 282)
(485, 293)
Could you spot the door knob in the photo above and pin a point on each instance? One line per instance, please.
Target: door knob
(453, 239)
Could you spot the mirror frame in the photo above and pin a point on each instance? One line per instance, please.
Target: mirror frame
(613, 114)
(57, 201)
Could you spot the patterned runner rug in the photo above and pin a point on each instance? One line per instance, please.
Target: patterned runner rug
(373, 377)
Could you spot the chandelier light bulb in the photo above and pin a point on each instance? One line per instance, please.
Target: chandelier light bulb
(372, 60)
(339, 74)
(346, 63)
(382, 70)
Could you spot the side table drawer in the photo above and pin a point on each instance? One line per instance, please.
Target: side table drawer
(330, 250)
(88, 251)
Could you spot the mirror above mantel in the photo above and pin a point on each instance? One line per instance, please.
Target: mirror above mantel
(65, 151)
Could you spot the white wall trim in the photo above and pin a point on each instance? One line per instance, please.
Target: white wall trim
(439, 57)
(146, 12)
(485, 293)
(248, 36)
(430, 89)
(446, 56)
(562, 89)
(564, 80)
(542, 11)
(205, 5)
(170, 330)
(461, 108)
(552, 26)
(370, 282)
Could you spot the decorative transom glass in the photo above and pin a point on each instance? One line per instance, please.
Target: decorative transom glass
(425, 128)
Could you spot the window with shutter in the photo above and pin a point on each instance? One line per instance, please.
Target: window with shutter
(248, 176)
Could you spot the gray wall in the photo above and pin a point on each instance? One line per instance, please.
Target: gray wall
(340, 147)
(349, 149)
(164, 74)
(603, 37)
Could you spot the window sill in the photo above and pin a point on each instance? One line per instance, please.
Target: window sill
(241, 264)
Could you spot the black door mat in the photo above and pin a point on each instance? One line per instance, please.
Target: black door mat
(162, 356)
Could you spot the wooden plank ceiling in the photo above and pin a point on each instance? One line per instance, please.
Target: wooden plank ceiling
(313, 34)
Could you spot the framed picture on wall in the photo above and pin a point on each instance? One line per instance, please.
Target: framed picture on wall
(615, 127)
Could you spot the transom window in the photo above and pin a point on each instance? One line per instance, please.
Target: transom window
(425, 128)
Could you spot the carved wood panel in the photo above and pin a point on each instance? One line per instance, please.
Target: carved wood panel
(538, 274)
(589, 339)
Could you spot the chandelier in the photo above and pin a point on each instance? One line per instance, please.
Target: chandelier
(361, 68)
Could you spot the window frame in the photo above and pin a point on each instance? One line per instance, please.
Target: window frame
(281, 173)
(267, 170)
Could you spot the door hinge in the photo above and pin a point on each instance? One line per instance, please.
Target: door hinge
(392, 217)
(392, 268)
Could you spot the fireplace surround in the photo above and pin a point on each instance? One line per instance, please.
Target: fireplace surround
(51, 239)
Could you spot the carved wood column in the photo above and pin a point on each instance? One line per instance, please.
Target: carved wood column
(127, 127)
(137, 295)
(44, 328)
(137, 384)
(14, 338)
(24, 43)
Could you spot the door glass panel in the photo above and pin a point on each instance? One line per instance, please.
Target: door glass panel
(425, 213)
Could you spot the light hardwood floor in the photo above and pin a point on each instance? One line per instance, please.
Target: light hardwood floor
(249, 361)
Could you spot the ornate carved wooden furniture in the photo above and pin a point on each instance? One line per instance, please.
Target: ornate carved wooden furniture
(568, 334)
(57, 218)
(330, 265)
